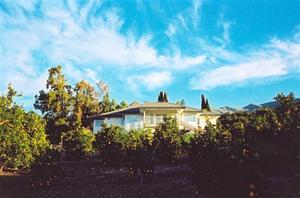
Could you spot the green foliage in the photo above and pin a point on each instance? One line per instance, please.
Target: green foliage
(234, 154)
(66, 108)
(22, 134)
(162, 97)
(77, 143)
(139, 152)
(110, 142)
(221, 163)
(123, 104)
(86, 103)
(107, 105)
(204, 103)
(167, 140)
(132, 149)
(279, 141)
(207, 105)
(56, 104)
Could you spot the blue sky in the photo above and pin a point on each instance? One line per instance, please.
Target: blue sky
(234, 52)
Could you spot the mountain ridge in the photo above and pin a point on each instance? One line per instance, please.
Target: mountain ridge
(250, 107)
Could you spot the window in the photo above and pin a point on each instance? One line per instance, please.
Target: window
(150, 119)
(189, 118)
(132, 118)
(159, 118)
(98, 123)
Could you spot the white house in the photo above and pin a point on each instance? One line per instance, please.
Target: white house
(150, 114)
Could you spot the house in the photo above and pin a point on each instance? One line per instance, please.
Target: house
(150, 114)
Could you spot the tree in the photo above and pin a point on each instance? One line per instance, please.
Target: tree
(107, 105)
(78, 142)
(123, 104)
(55, 104)
(110, 142)
(167, 140)
(165, 97)
(203, 102)
(181, 102)
(162, 97)
(86, 103)
(139, 152)
(22, 134)
(207, 105)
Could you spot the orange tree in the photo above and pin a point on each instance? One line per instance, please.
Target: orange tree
(138, 154)
(244, 146)
(167, 141)
(22, 134)
(110, 142)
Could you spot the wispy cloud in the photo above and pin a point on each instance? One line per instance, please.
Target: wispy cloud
(71, 34)
(225, 26)
(277, 58)
(195, 12)
(88, 37)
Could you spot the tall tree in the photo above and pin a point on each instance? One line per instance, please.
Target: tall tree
(55, 103)
(207, 105)
(203, 102)
(86, 103)
(165, 97)
(160, 97)
(107, 105)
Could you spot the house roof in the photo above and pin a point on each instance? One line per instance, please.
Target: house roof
(160, 105)
(136, 107)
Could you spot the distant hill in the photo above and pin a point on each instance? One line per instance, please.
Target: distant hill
(250, 107)
(228, 109)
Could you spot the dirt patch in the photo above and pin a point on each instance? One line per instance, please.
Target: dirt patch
(89, 178)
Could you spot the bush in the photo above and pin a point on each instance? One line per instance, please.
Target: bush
(221, 164)
(22, 134)
(110, 142)
(167, 141)
(77, 143)
(138, 154)
(244, 147)
(46, 171)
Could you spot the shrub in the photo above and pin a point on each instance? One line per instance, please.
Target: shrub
(110, 142)
(221, 163)
(46, 171)
(22, 134)
(138, 154)
(78, 143)
(167, 141)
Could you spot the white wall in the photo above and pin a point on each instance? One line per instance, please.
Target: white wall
(203, 120)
